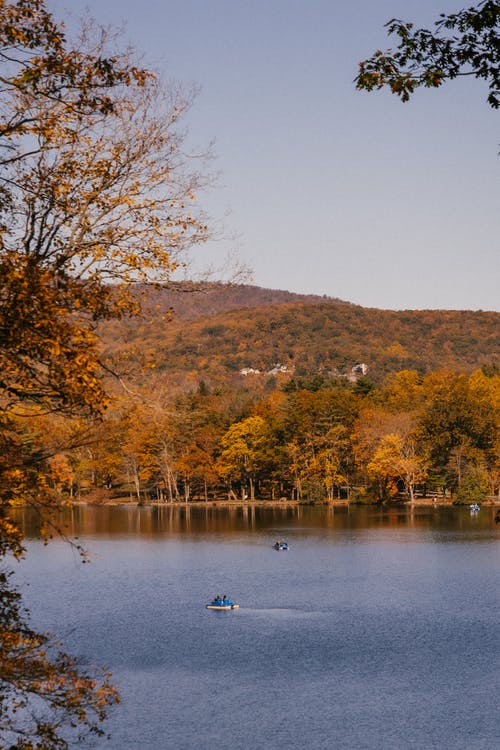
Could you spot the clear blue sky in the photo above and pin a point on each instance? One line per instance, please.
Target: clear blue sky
(330, 190)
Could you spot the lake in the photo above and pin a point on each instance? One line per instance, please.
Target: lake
(378, 629)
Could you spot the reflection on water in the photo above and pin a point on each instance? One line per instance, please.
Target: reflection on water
(378, 630)
(116, 521)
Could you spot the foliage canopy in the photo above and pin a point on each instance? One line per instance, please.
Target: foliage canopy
(95, 194)
(463, 44)
(93, 189)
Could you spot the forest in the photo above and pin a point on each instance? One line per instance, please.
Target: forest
(340, 403)
(218, 330)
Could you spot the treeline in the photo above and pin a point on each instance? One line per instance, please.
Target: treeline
(312, 439)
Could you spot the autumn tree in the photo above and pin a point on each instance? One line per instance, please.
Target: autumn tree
(95, 194)
(401, 392)
(47, 698)
(385, 443)
(96, 462)
(196, 465)
(318, 468)
(459, 424)
(316, 427)
(246, 452)
(465, 43)
(101, 204)
(396, 458)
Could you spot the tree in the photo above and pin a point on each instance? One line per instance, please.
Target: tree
(102, 199)
(396, 458)
(246, 451)
(37, 60)
(47, 699)
(402, 392)
(94, 196)
(474, 486)
(463, 44)
(386, 448)
(459, 424)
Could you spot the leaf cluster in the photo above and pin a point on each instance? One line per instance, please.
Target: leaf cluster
(47, 699)
(462, 44)
(94, 188)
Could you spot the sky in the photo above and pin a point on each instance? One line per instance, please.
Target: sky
(324, 189)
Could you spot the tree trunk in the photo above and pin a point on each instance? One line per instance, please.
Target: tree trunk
(411, 490)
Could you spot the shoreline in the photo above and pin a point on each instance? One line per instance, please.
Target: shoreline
(420, 503)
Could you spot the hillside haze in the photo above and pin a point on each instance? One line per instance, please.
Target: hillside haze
(189, 301)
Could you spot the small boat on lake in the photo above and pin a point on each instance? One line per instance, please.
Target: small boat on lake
(280, 545)
(474, 507)
(222, 602)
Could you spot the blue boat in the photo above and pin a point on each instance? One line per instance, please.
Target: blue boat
(280, 545)
(222, 603)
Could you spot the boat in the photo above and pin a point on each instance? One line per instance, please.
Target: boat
(280, 545)
(222, 603)
(474, 507)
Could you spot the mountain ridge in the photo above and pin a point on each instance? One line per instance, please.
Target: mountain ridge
(307, 335)
(189, 300)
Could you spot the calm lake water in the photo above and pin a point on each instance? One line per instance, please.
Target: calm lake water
(377, 629)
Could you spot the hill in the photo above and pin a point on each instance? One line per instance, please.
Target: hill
(189, 301)
(217, 331)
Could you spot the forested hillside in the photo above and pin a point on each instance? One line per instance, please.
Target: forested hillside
(201, 411)
(259, 329)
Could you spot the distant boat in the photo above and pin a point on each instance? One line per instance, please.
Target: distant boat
(222, 602)
(474, 507)
(280, 545)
